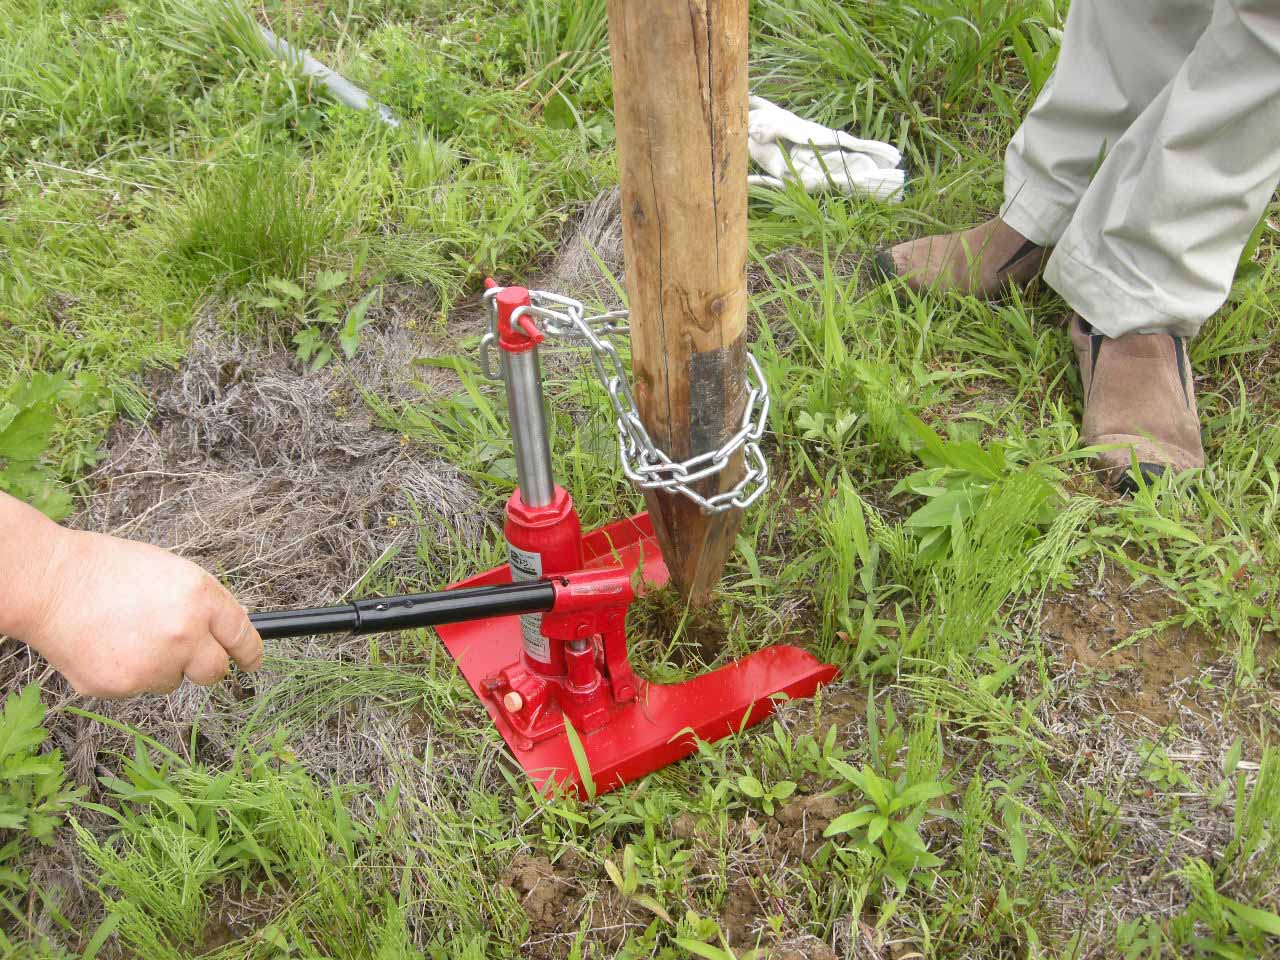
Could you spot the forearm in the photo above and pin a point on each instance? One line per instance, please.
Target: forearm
(29, 542)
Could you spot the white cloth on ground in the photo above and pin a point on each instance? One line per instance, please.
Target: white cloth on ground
(790, 148)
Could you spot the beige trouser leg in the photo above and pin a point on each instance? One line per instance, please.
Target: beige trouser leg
(1182, 97)
(1116, 57)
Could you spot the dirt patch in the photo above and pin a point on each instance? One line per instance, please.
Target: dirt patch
(546, 897)
(802, 948)
(797, 833)
(555, 902)
(218, 933)
(743, 914)
(844, 706)
(1117, 635)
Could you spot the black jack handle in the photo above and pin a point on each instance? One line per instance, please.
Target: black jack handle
(409, 611)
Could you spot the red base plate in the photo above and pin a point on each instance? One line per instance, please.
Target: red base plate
(665, 721)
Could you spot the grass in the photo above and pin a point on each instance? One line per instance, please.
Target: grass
(1055, 736)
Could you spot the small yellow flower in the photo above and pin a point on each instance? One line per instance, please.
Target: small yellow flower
(411, 324)
(393, 522)
(340, 412)
(404, 439)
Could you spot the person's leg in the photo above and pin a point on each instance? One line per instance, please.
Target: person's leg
(1116, 56)
(1152, 248)
(1155, 239)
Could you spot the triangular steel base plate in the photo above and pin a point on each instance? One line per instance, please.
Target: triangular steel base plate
(665, 721)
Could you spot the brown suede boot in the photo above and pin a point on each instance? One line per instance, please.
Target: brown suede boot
(1139, 392)
(982, 262)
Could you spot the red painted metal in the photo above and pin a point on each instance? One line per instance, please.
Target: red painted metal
(521, 334)
(541, 542)
(628, 727)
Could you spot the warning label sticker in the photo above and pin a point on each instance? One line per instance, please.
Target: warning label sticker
(535, 644)
(526, 565)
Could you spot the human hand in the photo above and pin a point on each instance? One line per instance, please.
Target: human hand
(118, 618)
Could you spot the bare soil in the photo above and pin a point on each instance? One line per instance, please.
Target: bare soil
(1117, 636)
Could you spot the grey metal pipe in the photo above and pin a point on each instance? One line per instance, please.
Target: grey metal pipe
(523, 376)
(339, 87)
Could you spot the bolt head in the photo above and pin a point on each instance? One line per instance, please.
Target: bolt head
(513, 702)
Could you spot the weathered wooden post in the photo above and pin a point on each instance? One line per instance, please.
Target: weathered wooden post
(680, 105)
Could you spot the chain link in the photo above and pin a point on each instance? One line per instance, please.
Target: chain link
(566, 319)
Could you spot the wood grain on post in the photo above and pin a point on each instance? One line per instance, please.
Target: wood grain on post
(680, 108)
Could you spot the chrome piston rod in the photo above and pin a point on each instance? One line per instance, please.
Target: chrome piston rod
(523, 376)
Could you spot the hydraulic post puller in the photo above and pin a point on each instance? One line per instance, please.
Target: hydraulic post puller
(542, 639)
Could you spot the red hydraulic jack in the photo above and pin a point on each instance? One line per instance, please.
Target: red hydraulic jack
(542, 640)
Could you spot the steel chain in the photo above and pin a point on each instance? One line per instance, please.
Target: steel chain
(563, 318)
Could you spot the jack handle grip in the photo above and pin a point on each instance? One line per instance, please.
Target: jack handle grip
(408, 611)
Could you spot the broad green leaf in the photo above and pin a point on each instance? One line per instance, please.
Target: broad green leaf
(355, 316)
(700, 949)
(650, 904)
(875, 787)
(942, 510)
(27, 435)
(559, 112)
(907, 836)
(1263, 920)
(848, 822)
(615, 875)
(876, 828)
(567, 814)
(287, 287)
(349, 342)
(20, 729)
(323, 356)
(918, 793)
(42, 389)
(327, 280)
(1166, 527)
(1017, 836)
(847, 771)
(28, 768)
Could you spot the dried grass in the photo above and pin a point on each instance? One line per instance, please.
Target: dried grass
(253, 469)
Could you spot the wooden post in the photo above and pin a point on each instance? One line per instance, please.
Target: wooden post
(680, 108)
